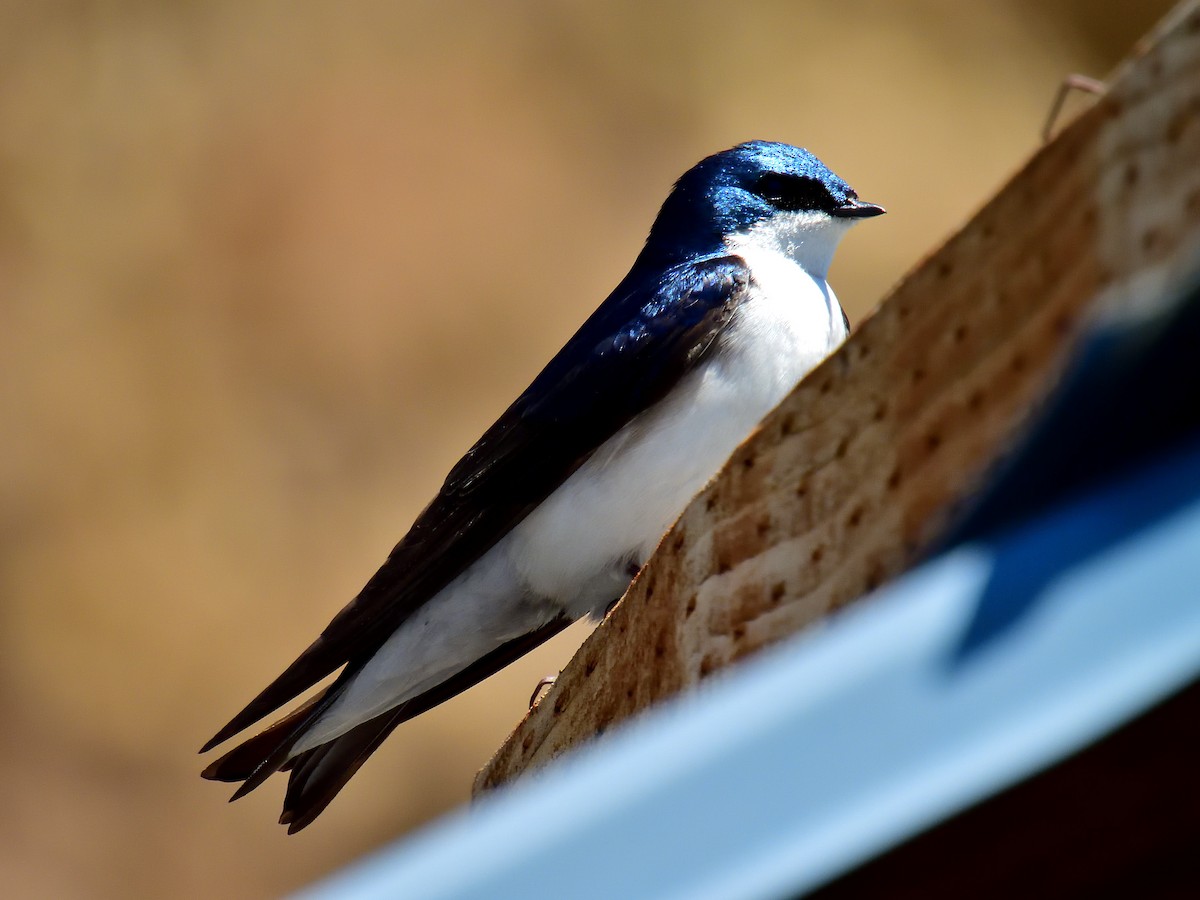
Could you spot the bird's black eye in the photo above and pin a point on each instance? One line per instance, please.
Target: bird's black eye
(794, 193)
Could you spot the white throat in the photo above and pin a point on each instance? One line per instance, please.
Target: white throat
(808, 239)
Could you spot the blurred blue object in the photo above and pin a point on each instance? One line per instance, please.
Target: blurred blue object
(1132, 391)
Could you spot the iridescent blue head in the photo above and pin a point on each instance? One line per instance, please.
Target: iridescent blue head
(734, 191)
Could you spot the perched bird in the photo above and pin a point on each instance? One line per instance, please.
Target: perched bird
(549, 516)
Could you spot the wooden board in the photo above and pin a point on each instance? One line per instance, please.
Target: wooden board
(862, 467)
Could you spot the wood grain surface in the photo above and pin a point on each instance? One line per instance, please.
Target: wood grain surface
(861, 468)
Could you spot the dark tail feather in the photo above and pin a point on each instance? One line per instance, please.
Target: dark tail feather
(317, 775)
(254, 761)
(310, 667)
(241, 762)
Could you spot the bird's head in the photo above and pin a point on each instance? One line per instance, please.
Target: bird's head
(760, 192)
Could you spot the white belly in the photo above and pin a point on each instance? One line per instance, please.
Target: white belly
(576, 546)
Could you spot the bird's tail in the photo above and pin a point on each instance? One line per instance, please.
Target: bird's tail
(255, 760)
(316, 776)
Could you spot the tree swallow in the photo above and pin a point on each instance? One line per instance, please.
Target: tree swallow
(549, 516)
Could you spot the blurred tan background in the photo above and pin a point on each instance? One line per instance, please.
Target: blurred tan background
(268, 268)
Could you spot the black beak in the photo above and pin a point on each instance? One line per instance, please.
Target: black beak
(854, 208)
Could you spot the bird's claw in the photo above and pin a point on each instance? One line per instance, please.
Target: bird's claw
(545, 682)
(1073, 82)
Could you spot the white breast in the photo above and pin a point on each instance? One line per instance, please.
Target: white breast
(576, 547)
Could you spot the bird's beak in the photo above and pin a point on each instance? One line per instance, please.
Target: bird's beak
(854, 208)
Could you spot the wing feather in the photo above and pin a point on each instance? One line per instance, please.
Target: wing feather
(625, 358)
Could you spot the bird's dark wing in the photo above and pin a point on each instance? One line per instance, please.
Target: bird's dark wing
(625, 358)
